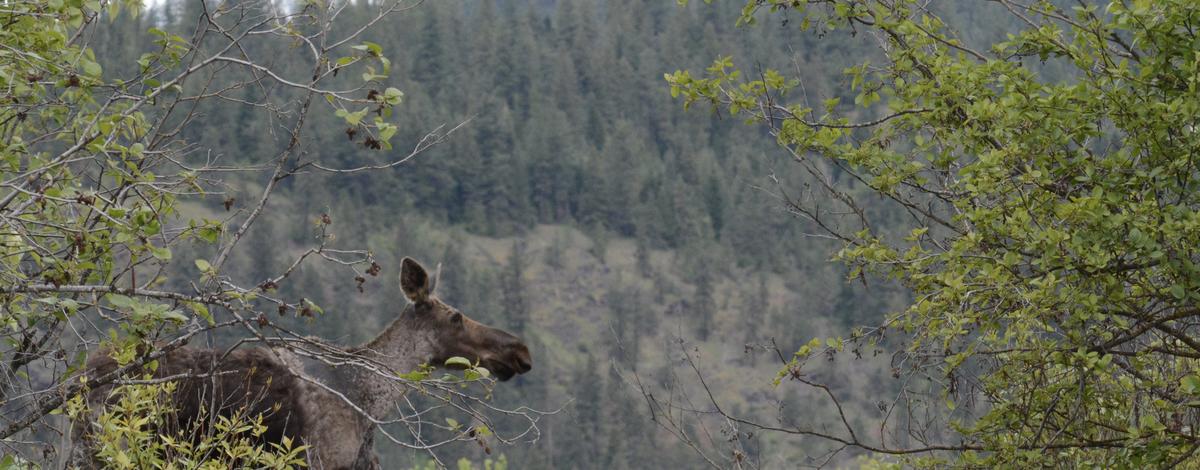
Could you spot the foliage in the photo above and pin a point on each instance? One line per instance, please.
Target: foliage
(131, 433)
(103, 176)
(1054, 221)
(500, 463)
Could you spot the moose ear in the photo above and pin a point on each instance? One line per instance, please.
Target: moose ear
(414, 281)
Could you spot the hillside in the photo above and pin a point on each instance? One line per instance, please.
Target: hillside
(579, 206)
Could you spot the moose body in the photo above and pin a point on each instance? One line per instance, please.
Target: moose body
(331, 414)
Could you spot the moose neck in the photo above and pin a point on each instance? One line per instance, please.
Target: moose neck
(402, 347)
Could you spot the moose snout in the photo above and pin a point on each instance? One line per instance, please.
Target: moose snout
(524, 361)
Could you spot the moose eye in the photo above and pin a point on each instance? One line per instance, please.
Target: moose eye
(456, 318)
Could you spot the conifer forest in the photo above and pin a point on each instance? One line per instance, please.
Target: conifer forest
(599, 234)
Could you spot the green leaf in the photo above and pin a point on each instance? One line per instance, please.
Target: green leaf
(1190, 384)
(119, 301)
(354, 118)
(161, 253)
(386, 132)
(1178, 292)
(314, 307)
(369, 47)
(174, 315)
(90, 68)
(201, 310)
(415, 376)
(393, 96)
(459, 362)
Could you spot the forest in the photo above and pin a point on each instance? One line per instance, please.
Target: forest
(764, 234)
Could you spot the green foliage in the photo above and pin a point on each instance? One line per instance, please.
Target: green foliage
(130, 434)
(107, 240)
(1052, 251)
(869, 463)
(13, 462)
(499, 463)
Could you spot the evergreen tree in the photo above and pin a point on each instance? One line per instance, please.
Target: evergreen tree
(516, 307)
(580, 444)
(642, 254)
(479, 298)
(754, 309)
(703, 306)
(452, 284)
(555, 252)
(626, 303)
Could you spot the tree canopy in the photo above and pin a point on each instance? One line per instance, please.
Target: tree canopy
(105, 245)
(1051, 236)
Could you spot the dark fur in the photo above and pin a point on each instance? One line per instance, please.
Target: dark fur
(255, 380)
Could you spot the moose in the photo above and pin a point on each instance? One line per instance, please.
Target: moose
(334, 418)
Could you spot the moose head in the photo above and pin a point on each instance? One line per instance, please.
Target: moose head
(454, 334)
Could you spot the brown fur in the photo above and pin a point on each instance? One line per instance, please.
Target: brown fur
(270, 381)
(250, 381)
